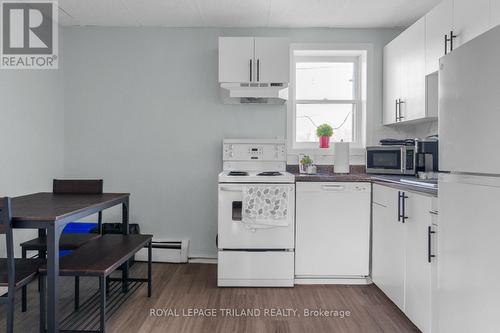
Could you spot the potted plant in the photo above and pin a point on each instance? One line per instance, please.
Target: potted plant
(305, 162)
(324, 132)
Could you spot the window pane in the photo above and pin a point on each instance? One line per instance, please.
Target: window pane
(339, 116)
(324, 80)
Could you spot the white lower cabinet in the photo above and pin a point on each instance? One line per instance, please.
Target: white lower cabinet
(388, 245)
(403, 254)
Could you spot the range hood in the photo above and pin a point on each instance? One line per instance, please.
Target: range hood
(254, 93)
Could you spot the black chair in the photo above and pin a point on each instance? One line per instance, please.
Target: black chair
(67, 241)
(14, 273)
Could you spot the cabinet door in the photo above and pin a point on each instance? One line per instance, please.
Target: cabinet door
(438, 23)
(418, 267)
(470, 19)
(392, 79)
(236, 59)
(388, 257)
(495, 13)
(413, 72)
(272, 60)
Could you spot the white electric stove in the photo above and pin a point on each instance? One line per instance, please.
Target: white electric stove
(254, 257)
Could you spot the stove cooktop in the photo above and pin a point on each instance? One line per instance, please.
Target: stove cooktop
(256, 177)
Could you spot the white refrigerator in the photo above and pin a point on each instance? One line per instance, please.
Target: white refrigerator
(468, 289)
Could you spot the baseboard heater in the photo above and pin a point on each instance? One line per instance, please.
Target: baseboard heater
(169, 251)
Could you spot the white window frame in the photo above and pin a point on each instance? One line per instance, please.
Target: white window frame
(330, 52)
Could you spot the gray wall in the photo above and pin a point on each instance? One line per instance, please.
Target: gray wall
(32, 134)
(142, 111)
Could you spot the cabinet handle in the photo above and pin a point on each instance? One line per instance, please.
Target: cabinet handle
(397, 113)
(402, 207)
(258, 70)
(452, 37)
(333, 187)
(445, 44)
(429, 240)
(449, 39)
(400, 113)
(250, 70)
(399, 206)
(434, 212)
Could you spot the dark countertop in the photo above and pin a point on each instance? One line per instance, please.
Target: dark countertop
(326, 174)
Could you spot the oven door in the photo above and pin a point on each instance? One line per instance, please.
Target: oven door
(233, 234)
(384, 160)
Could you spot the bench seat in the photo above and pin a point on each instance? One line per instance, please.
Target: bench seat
(25, 271)
(101, 256)
(66, 242)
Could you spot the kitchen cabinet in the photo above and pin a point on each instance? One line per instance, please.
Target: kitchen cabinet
(404, 251)
(420, 262)
(494, 13)
(332, 230)
(405, 97)
(252, 59)
(470, 19)
(392, 80)
(236, 59)
(272, 59)
(438, 24)
(413, 101)
(388, 245)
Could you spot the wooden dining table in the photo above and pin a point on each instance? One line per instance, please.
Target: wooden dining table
(50, 213)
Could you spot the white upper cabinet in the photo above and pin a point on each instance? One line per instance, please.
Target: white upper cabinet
(392, 80)
(404, 76)
(272, 60)
(495, 13)
(413, 103)
(470, 19)
(236, 59)
(438, 25)
(249, 59)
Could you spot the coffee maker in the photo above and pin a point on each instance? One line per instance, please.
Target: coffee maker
(426, 155)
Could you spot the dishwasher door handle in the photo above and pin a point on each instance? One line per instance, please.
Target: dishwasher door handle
(333, 187)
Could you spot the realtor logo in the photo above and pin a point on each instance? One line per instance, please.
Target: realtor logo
(29, 33)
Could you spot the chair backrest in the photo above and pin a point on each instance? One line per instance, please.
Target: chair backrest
(74, 186)
(6, 228)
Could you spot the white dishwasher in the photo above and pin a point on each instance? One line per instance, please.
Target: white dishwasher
(332, 232)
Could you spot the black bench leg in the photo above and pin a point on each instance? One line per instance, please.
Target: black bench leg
(150, 250)
(77, 293)
(99, 223)
(102, 287)
(24, 289)
(125, 277)
(10, 313)
(41, 282)
(107, 284)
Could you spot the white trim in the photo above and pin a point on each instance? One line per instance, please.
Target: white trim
(315, 280)
(365, 92)
(202, 261)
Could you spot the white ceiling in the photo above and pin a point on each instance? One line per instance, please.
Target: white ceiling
(244, 13)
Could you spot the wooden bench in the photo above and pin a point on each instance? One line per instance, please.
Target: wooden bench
(99, 258)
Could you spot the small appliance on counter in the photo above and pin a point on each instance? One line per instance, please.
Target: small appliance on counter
(403, 157)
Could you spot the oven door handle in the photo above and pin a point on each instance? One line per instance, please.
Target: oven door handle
(231, 189)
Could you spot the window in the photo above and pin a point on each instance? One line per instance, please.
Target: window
(325, 88)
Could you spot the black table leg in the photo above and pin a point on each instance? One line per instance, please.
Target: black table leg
(150, 252)
(125, 214)
(77, 293)
(102, 317)
(41, 282)
(24, 290)
(53, 235)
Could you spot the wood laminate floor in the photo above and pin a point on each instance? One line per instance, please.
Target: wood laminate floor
(186, 287)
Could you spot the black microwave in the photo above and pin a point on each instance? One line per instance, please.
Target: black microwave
(394, 160)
